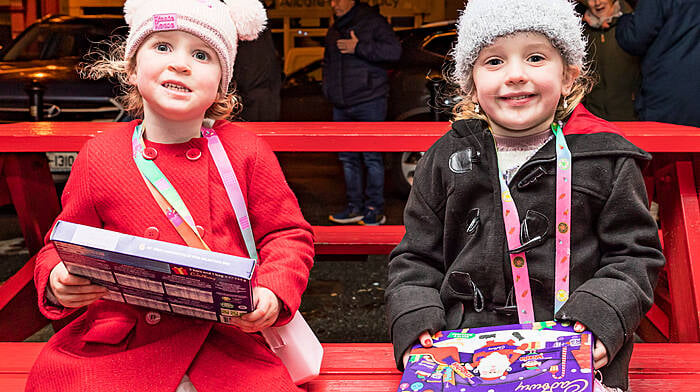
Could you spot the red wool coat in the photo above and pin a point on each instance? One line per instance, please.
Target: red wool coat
(120, 347)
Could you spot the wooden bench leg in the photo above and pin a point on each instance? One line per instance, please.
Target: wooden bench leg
(19, 314)
(680, 221)
(26, 182)
(33, 193)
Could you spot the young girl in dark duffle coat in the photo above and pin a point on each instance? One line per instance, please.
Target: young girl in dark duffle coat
(513, 219)
(177, 65)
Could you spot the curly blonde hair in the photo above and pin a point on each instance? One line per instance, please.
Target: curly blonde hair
(465, 109)
(110, 63)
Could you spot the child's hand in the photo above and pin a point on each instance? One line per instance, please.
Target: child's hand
(73, 291)
(424, 339)
(600, 353)
(267, 309)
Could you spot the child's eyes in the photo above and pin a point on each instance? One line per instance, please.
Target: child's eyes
(201, 56)
(535, 58)
(162, 47)
(494, 62)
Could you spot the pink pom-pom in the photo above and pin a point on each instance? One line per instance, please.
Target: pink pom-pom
(130, 8)
(249, 17)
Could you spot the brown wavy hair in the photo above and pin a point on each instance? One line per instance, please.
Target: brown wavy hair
(110, 63)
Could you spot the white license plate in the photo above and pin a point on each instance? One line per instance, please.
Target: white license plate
(61, 162)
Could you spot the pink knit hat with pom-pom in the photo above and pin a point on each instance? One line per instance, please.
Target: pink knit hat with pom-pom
(219, 24)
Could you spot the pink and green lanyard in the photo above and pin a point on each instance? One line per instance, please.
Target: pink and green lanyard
(518, 261)
(172, 204)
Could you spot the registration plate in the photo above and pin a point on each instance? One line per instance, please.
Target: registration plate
(61, 162)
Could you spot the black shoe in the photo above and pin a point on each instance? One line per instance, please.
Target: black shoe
(372, 218)
(350, 215)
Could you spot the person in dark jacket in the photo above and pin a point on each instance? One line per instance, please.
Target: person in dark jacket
(358, 46)
(666, 34)
(617, 72)
(258, 77)
(512, 219)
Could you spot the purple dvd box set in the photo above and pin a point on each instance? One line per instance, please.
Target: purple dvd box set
(156, 274)
(543, 356)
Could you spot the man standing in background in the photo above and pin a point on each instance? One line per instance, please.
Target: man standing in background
(258, 77)
(666, 34)
(358, 45)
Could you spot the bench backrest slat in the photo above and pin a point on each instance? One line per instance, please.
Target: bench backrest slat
(328, 136)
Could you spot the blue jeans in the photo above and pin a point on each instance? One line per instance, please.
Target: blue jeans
(374, 110)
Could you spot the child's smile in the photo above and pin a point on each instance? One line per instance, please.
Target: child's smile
(176, 86)
(517, 99)
(519, 80)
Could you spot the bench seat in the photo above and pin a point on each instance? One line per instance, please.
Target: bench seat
(18, 296)
(655, 367)
(357, 240)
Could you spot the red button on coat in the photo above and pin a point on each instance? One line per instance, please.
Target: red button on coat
(200, 230)
(193, 154)
(152, 233)
(149, 153)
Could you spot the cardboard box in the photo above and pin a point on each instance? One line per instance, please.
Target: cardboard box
(156, 274)
(542, 356)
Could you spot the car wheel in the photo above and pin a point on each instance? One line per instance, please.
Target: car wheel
(403, 164)
(405, 168)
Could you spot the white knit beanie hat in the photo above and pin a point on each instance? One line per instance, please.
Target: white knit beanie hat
(482, 21)
(219, 24)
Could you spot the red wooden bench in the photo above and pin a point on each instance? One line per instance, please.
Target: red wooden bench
(25, 181)
(354, 367)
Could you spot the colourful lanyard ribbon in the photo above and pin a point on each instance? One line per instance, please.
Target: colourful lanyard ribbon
(172, 204)
(518, 261)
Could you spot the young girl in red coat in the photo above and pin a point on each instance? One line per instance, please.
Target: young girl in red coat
(177, 65)
(529, 208)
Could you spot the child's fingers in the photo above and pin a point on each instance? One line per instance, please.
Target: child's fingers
(73, 280)
(425, 339)
(255, 315)
(73, 291)
(60, 275)
(264, 305)
(83, 289)
(249, 322)
(69, 279)
(264, 320)
(597, 364)
(61, 292)
(600, 355)
(267, 309)
(406, 355)
(249, 327)
(79, 300)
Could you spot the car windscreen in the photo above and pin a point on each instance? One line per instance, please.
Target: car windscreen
(57, 41)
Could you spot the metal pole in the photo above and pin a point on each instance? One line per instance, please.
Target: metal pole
(36, 100)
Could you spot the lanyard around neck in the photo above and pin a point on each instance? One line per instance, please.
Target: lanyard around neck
(172, 204)
(511, 219)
